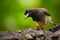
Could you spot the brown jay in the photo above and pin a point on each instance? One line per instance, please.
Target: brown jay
(40, 15)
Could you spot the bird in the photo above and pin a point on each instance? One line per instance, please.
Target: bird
(41, 16)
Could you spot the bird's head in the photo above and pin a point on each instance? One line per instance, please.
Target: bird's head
(32, 12)
(28, 13)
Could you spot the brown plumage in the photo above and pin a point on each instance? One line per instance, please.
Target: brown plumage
(41, 15)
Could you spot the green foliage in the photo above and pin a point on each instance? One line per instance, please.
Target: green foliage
(12, 13)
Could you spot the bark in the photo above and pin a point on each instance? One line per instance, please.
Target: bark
(30, 34)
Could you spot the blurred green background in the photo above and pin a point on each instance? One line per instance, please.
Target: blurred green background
(12, 13)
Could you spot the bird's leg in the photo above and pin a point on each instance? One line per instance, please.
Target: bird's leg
(39, 28)
(42, 28)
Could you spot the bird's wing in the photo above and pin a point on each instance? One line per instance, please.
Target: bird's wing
(45, 11)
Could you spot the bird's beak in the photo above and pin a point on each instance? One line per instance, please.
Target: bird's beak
(26, 15)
